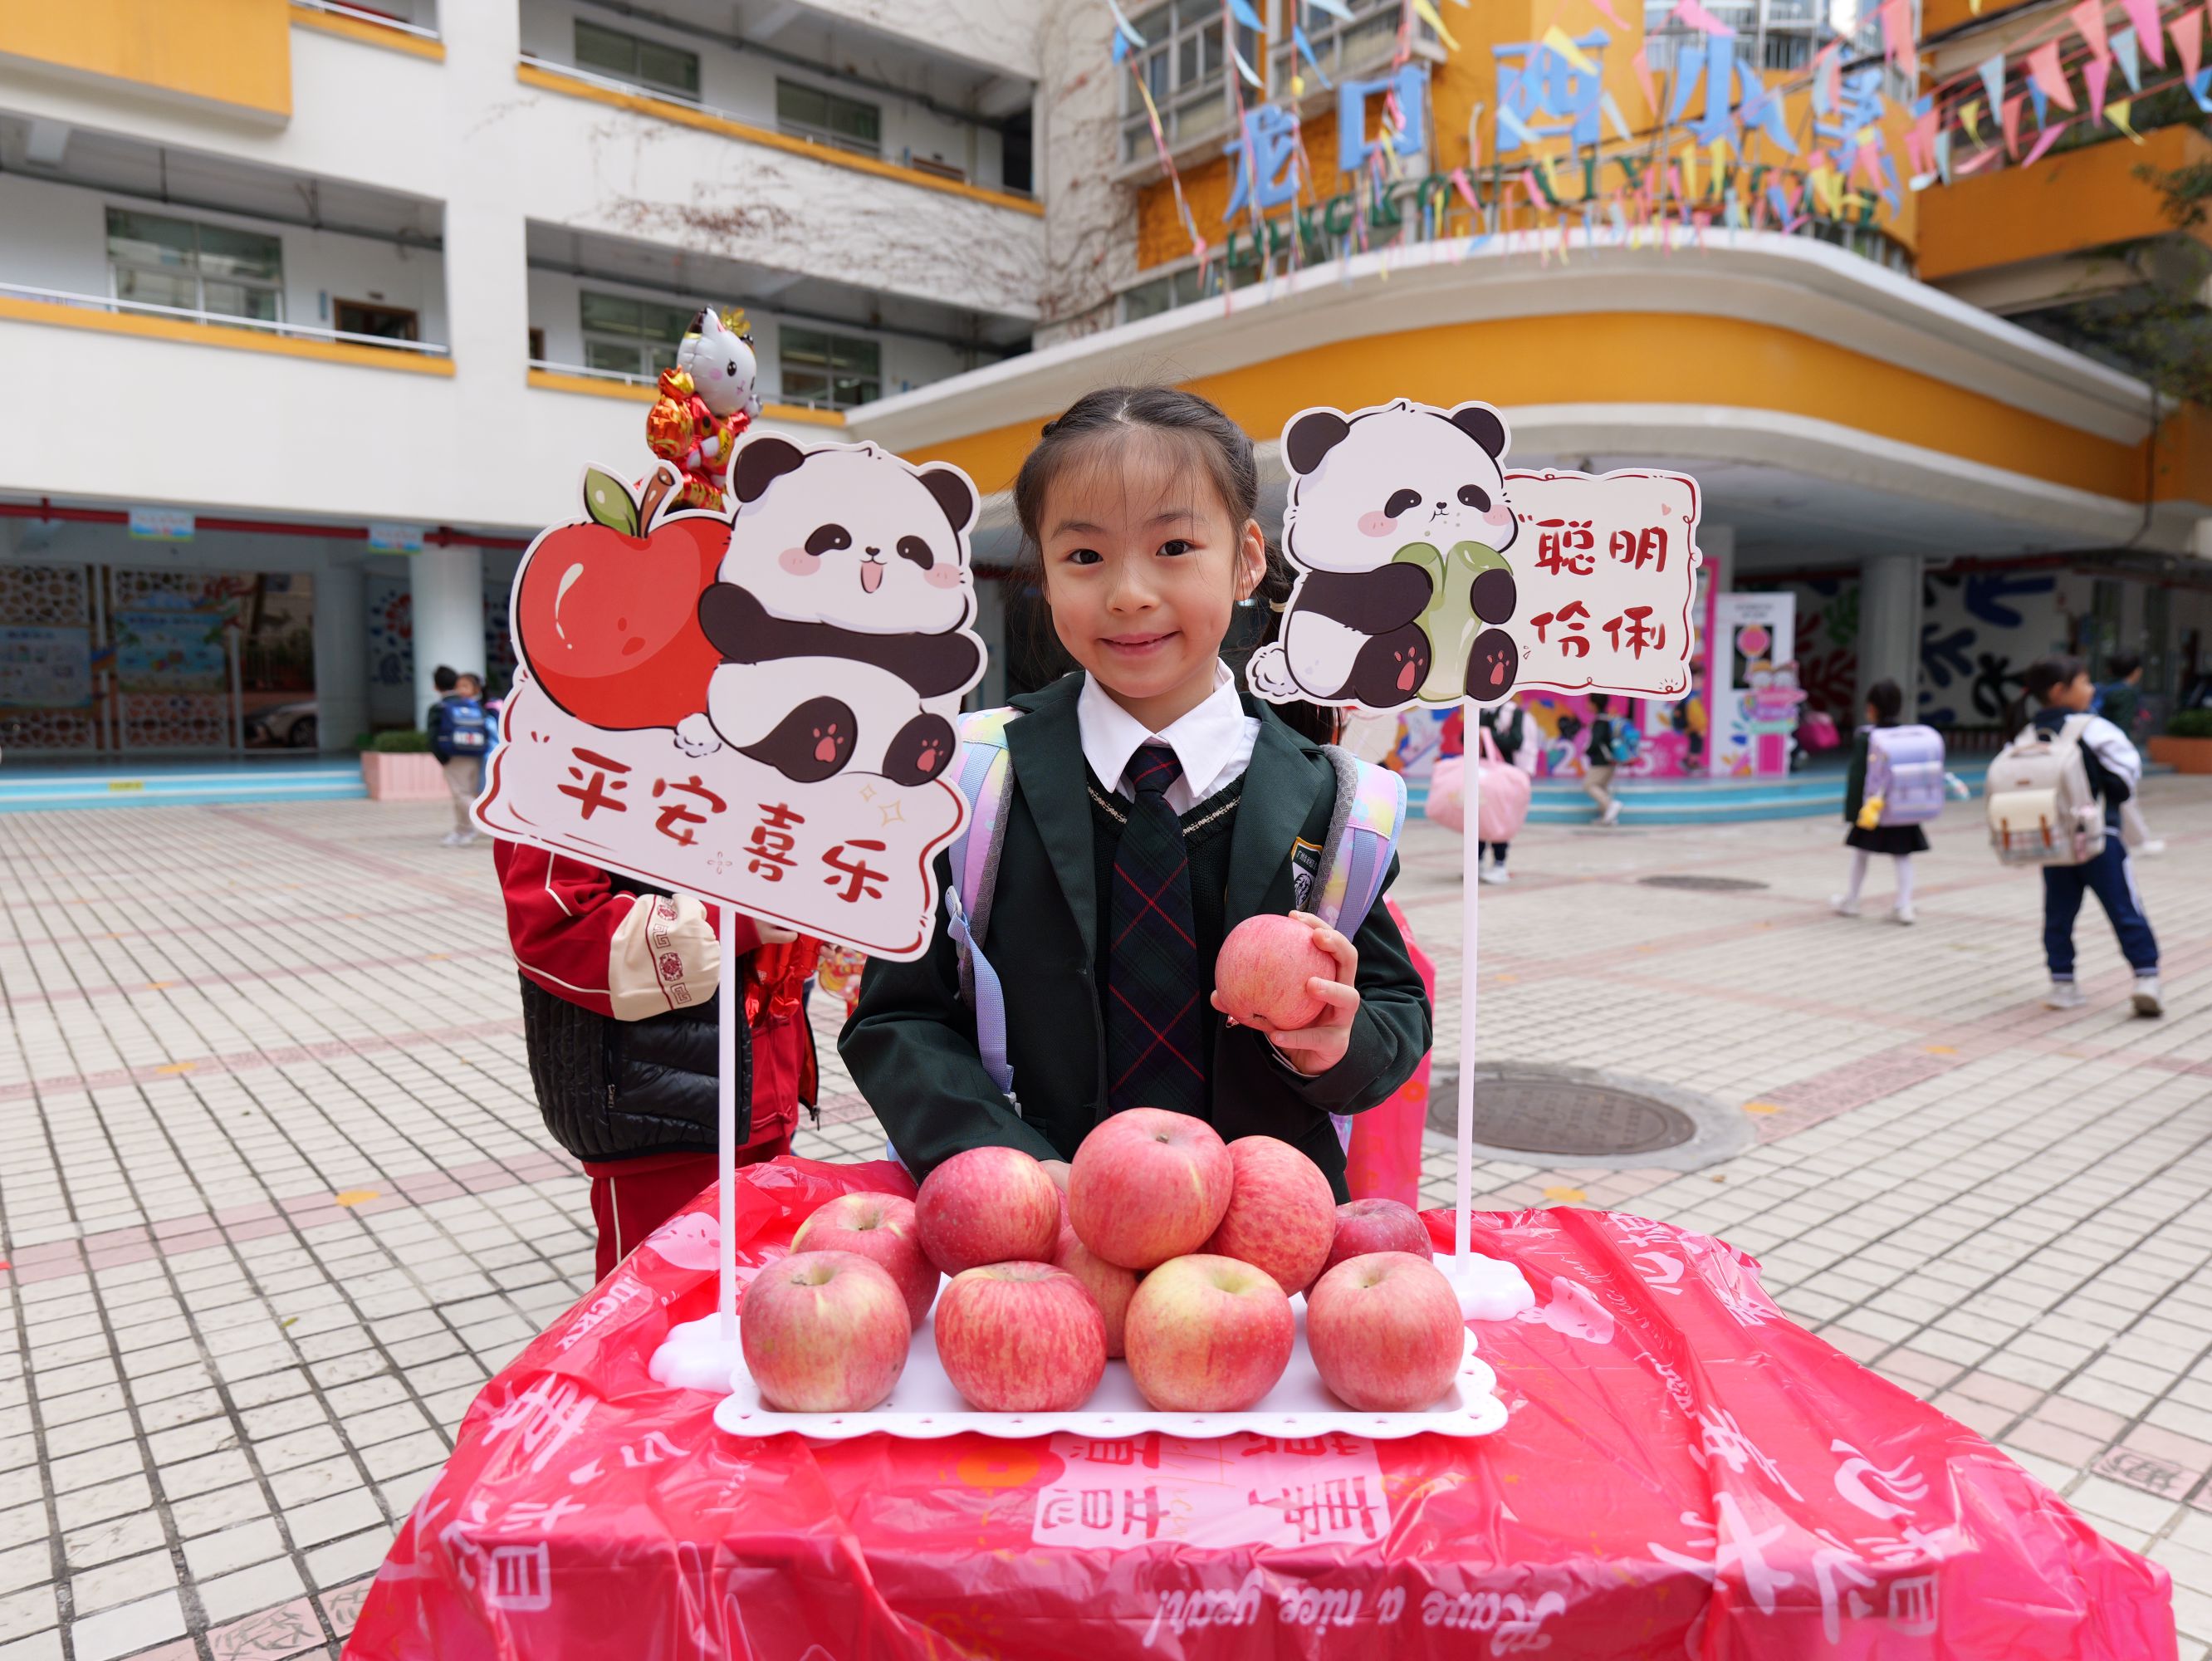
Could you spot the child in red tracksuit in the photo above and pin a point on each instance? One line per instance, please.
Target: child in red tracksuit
(619, 983)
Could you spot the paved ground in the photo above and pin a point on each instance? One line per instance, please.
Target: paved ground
(276, 1199)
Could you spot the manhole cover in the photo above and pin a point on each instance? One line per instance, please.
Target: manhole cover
(1701, 885)
(1578, 1115)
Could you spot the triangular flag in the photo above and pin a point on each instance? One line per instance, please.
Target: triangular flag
(2043, 64)
(2143, 14)
(1896, 35)
(1920, 143)
(1620, 121)
(2089, 18)
(1943, 154)
(1993, 74)
(2189, 41)
(1305, 50)
(1243, 12)
(1611, 16)
(1429, 14)
(1827, 78)
(1117, 47)
(1642, 65)
(1125, 28)
(2049, 137)
(2124, 48)
(2094, 74)
(1251, 75)
(2012, 124)
(1563, 43)
(2200, 88)
(2116, 114)
(2042, 101)
(1971, 118)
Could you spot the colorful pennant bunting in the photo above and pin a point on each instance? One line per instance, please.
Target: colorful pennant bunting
(2089, 18)
(2012, 124)
(2094, 74)
(2129, 57)
(2189, 41)
(2043, 64)
(2143, 14)
(1993, 78)
(2049, 137)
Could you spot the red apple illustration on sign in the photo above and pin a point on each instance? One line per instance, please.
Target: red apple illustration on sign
(608, 618)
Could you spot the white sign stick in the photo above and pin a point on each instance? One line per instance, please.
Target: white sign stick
(729, 1011)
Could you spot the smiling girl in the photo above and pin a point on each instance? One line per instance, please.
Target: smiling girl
(1154, 808)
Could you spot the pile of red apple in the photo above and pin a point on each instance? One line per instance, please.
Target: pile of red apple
(1172, 1250)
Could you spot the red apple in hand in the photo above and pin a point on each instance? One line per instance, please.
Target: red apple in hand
(1367, 1225)
(1262, 972)
(1386, 1332)
(1020, 1338)
(1281, 1215)
(1109, 1285)
(1209, 1334)
(880, 1227)
(1148, 1185)
(824, 1332)
(989, 1205)
(608, 620)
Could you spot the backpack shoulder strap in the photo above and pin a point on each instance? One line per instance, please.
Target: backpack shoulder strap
(1363, 835)
(986, 780)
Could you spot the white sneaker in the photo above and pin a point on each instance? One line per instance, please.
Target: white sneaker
(2063, 995)
(2147, 1000)
(2151, 849)
(1903, 914)
(451, 839)
(1497, 873)
(465, 839)
(1842, 905)
(1612, 814)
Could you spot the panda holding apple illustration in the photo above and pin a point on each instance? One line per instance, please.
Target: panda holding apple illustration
(839, 614)
(1399, 523)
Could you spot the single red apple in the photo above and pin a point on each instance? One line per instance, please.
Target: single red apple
(881, 1227)
(1262, 972)
(1281, 1215)
(1147, 1185)
(1109, 1285)
(1386, 1332)
(987, 1205)
(1209, 1334)
(824, 1332)
(1020, 1338)
(1368, 1225)
(609, 623)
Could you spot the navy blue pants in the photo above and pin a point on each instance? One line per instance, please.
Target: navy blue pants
(2111, 876)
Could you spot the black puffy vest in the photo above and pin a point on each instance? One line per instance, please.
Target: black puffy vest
(620, 1090)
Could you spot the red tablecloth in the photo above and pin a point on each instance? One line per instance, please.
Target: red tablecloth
(1685, 1473)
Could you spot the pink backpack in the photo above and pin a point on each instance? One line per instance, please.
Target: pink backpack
(1905, 768)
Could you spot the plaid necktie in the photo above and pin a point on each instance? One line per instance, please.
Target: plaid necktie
(1154, 992)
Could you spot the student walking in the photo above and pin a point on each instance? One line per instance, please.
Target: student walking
(460, 738)
(2061, 686)
(1891, 786)
(1152, 809)
(1508, 725)
(2119, 700)
(1598, 760)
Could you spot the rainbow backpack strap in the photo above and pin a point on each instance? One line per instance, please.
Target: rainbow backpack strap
(986, 780)
(1363, 835)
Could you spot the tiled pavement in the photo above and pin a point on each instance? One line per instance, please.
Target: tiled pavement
(275, 1198)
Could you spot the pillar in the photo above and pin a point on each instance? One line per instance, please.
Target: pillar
(1717, 546)
(445, 589)
(991, 624)
(341, 650)
(1889, 625)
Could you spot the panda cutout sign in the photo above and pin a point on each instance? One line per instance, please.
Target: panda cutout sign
(754, 705)
(1430, 576)
(1428, 573)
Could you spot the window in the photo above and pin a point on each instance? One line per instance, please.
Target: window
(1369, 40)
(361, 317)
(537, 345)
(1183, 64)
(1163, 293)
(830, 371)
(626, 336)
(827, 118)
(159, 261)
(627, 57)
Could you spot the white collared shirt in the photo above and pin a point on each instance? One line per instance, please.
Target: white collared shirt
(1213, 742)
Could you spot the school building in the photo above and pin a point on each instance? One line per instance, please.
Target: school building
(310, 313)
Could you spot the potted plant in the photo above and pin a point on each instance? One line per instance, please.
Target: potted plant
(400, 767)
(2186, 744)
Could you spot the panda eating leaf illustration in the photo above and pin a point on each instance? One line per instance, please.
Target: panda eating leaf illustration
(841, 614)
(1399, 525)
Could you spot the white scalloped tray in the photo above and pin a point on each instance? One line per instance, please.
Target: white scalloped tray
(924, 1406)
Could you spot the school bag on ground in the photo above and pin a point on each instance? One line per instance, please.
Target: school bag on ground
(1904, 769)
(1363, 833)
(463, 729)
(2041, 809)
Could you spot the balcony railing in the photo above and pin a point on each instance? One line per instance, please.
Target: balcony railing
(624, 378)
(223, 320)
(380, 19)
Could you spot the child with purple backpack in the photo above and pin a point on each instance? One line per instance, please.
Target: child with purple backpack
(1896, 786)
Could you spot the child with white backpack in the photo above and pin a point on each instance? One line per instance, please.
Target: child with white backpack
(1896, 786)
(2054, 795)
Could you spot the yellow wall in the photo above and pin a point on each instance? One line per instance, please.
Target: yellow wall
(234, 52)
(2077, 199)
(1465, 86)
(1938, 15)
(1631, 358)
